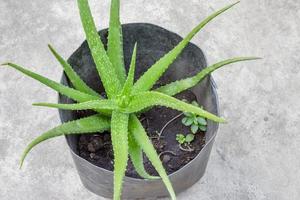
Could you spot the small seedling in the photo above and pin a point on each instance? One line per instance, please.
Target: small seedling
(182, 139)
(195, 121)
(185, 141)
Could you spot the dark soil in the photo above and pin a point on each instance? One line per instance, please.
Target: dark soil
(97, 148)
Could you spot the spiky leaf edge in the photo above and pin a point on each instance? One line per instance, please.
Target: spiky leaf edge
(144, 100)
(130, 77)
(119, 137)
(140, 135)
(67, 91)
(115, 41)
(136, 155)
(92, 124)
(104, 66)
(149, 78)
(176, 87)
(103, 104)
(77, 82)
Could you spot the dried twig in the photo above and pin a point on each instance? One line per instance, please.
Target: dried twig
(167, 124)
(188, 149)
(165, 152)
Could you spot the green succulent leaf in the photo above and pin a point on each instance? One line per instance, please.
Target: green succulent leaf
(187, 121)
(136, 155)
(194, 128)
(67, 91)
(103, 104)
(195, 121)
(195, 103)
(184, 120)
(187, 113)
(184, 84)
(202, 128)
(115, 41)
(149, 78)
(201, 121)
(95, 123)
(64, 90)
(105, 68)
(119, 137)
(77, 82)
(190, 138)
(130, 78)
(141, 137)
(144, 100)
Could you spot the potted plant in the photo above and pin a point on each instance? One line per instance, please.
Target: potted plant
(110, 117)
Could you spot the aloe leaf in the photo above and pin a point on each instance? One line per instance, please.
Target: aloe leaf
(95, 123)
(77, 82)
(105, 68)
(119, 136)
(130, 78)
(149, 78)
(103, 104)
(184, 84)
(144, 100)
(115, 41)
(67, 91)
(136, 128)
(136, 156)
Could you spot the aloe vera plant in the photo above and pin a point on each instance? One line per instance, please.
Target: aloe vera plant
(126, 99)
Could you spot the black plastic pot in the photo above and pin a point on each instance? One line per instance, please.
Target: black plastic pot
(153, 43)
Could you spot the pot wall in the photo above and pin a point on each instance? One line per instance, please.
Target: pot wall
(153, 43)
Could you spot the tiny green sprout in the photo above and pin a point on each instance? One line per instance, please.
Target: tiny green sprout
(196, 122)
(185, 141)
(125, 98)
(180, 138)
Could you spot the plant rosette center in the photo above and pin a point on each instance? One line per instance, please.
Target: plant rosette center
(123, 101)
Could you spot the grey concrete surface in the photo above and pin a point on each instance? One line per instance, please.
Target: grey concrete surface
(256, 155)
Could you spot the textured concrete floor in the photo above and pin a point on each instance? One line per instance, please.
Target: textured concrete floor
(255, 157)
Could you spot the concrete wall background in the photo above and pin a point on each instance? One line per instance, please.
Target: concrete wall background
(256, 155)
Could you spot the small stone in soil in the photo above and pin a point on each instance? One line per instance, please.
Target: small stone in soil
(159, 144)
(92, 155)
(166, 158)
(95, 145)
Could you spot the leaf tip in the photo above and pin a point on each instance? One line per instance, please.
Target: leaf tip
(223, 121)
(231, 5)
(51, 49)
(38, 104)
(5, 64)
(153, 177)
(50, 46)
(135, 45)
(254, 58)
(258, 58)
(22, 161)
(236, 3)
(21, 165)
